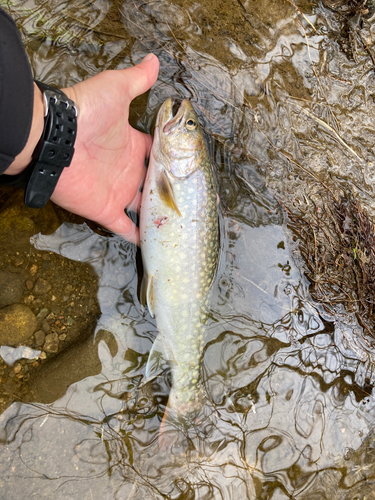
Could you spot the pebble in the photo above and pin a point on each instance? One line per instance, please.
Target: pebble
(46, 327)
(43, 355)
(17, 368)
(52, 337)
(42, 313)
(52, 343)
(33, 269)
(39, 337)
(29, 299)
(29, 284)
(42, 286)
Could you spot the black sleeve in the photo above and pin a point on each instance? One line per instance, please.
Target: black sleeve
(16, 92)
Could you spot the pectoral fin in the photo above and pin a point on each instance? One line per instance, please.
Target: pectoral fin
(159, 359)
(166, 192)
(147, 293)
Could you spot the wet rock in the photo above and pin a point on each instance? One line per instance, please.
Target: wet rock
(42, 286)
(42, 313)
(17, 368)
(39, 337)
(29, 299)
(12, 286)
(29, 284)
(33, 269)
(74, 364)
(52, 343)
(46, 326)
(17, 324)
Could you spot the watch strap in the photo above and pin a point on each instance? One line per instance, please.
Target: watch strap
(54, 151)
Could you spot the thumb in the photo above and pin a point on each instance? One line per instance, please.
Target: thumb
(124, 227)
(142, 76)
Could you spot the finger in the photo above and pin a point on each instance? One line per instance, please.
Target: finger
(135, 205)
(144, 143)
(142, 77)
(148, 144)
(125, 228)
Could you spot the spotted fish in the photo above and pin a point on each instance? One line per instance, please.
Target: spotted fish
(179, 243)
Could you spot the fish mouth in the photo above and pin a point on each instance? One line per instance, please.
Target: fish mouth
(171, 115)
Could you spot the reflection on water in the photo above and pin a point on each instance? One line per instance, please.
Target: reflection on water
(291, 385)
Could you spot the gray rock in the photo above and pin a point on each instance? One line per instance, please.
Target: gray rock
(12, 286)
(39, 337)
(17, 324)
(42, 313)
(46, 326)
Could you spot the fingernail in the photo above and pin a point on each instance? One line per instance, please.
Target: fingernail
(148, 57)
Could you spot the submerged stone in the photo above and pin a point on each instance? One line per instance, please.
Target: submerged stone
(17, 323)
(12, 286)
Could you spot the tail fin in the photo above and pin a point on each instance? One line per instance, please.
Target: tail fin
(184, 422)
(205, 429)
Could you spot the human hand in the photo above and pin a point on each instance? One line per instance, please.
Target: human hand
(108, 164)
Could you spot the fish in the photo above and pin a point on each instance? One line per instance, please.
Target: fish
(179, 240)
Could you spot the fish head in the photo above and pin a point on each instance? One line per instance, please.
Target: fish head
(178, 141)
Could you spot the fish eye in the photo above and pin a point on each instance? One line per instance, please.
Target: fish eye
(191, 124)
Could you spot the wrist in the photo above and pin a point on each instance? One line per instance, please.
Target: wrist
(48, 152)
(24, 158)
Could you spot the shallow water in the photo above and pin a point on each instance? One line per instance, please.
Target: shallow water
(291, 384)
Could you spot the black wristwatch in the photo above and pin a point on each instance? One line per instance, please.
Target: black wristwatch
(54, 151)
